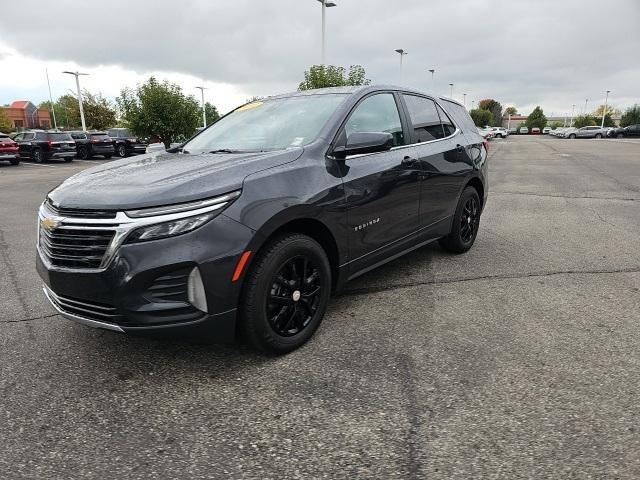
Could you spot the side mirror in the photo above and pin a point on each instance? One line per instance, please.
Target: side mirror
(364, 142)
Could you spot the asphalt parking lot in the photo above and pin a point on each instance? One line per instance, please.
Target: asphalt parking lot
(519, 359)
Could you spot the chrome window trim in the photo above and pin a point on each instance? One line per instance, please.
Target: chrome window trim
(121, 225)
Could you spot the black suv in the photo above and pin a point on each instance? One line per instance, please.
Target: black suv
(622, 132)
(250, 225)
(89, 144)
(41, 145)
(125, 142)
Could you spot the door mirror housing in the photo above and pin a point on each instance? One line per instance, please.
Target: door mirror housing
(359, 143)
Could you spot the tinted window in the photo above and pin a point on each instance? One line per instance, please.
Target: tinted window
(59, 137)
(424, 118)
(460, 115)
(377, 113)
(99, 136)
(447, 124)
(78, 136)
(40, 136)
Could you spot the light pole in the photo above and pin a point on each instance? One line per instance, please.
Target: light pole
(473, 104)
(402, 54)
(573, 109)
(433, 71)
(464, 100)
(325, 4)
(77, 74)
(586, 100)
(204, 112)
(604, 112)
(451, 85)
(53, 110)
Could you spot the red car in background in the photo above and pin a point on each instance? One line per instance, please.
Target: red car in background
(8, 149)
(535, 131)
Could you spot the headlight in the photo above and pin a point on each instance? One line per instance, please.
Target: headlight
(172, 220)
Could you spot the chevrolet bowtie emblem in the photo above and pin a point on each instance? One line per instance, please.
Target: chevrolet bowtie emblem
(49, 224)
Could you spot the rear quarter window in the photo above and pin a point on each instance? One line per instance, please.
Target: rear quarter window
(460, 116)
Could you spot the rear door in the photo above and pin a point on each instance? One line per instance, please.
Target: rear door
(382, 189)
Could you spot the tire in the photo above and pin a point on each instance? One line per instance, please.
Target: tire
(499, 135)
(467, 217)
(273, 275)
(572, 136)
(14, 161)
(619, 135)
(122, 151)
(83, 153)
(37, 155)
(598, 135)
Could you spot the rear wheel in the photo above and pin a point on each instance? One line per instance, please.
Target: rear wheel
(619, 135)
(37, 155)
(83, 153)
(466, 222)
(598, 135)
(572, 136)
(122, 151)
(286, 294)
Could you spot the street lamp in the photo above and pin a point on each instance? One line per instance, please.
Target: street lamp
(464, 100)
(573, 109)
(77, 74)
(204, 112)
(451, 85)
(473, 104)
(325, 4)
(604, 112)
(433, 71)
(586, 100)
(402, 54)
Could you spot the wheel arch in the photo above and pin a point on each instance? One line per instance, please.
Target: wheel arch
(476, 183)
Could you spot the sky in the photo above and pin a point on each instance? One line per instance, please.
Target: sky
(522, 53)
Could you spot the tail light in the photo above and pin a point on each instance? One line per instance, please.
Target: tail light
(50, 144)
(93, 140)
(486, 144)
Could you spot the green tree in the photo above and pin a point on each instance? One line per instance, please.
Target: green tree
(67, 111)
(536, 119)
(159, 109)
(631, 116)
(608, 120)
(584, 121)
(511, 111)
(99, 114)
(6, 125)
(555, 125)
(212, 113)
(322, 76)
(495, 108)
(481, 117)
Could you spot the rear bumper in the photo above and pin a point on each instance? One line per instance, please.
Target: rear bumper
(102, 150)
(69, 154)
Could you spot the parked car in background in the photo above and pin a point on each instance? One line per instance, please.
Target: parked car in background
(248, 234)
(89, 144)
(486, 133)
(535, 131)
(523, 130)
(513, 130)
(499, 132)
(546, 130)
(125, 143)
(586, 132)
(8, 149)
(43, 145)
(622, 132)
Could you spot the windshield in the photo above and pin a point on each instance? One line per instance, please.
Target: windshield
(268, 125)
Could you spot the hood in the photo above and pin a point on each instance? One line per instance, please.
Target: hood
(163, 178)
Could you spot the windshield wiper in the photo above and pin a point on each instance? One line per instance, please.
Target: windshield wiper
(225, 150)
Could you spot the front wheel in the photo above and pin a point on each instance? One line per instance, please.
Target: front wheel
(37, 156)
(598, 135)
(286, 294)
(572, 136)
(122, 151)
(83, 153)
(466, 222)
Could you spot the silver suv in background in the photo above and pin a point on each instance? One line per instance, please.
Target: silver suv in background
(586, 132)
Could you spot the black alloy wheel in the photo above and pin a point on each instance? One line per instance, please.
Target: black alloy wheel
(285, 293)
(122, 151)
(83, 153)
(619, 135)
(294, 296)
(466, 223)
(469, 220)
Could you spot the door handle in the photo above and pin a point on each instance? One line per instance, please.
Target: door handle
(459, 148)
(408, 162)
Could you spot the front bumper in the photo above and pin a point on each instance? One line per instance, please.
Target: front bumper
(6, 155)
(138, 291)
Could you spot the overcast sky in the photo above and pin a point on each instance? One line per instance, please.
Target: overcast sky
(523, 53)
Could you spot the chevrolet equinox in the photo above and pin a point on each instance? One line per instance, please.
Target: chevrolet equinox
(246, 229)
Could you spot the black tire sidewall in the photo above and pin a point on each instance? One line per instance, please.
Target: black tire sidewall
(453, 242)
(255, 324)
(83, 153)
(37, 156)
(122, 151)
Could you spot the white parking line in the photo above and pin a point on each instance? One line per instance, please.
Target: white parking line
(36, 165)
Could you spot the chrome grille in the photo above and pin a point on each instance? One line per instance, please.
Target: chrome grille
(75, 248)
(93, 311)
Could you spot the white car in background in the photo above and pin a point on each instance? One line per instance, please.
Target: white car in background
(486, 133)
(546, 130)
(156, 147)
(500, 132)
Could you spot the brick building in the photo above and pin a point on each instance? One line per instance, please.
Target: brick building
(24, 114)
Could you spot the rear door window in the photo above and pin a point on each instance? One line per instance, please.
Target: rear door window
(424, 118)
